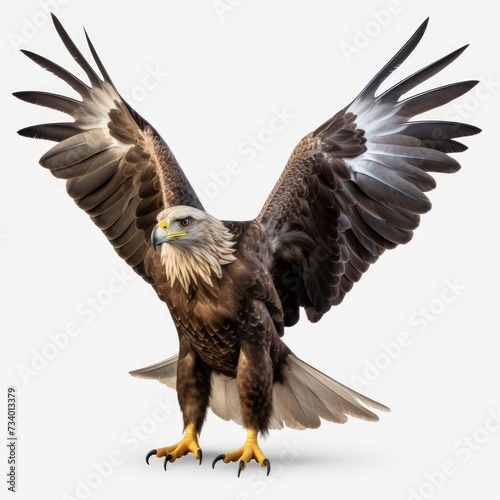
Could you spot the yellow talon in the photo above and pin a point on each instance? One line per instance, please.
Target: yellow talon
(245, 453)
(188, 443)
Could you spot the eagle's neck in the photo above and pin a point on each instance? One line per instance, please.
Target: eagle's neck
(193, 263)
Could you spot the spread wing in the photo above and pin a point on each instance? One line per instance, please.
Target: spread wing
(117, 167)
(355, 186)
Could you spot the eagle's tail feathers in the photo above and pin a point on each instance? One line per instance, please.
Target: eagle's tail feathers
(165, 371)
(304, 397)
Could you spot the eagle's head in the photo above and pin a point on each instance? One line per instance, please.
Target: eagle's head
(194, 245)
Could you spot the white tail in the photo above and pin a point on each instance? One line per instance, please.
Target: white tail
(306, 396)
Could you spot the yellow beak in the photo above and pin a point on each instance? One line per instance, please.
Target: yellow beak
(161, 234)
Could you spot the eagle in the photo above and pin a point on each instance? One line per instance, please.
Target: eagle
(351, 189)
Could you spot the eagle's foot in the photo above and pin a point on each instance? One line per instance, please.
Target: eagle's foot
(188, 443)
(245, 453)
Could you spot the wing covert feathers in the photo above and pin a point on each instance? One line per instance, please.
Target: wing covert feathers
(356, 186)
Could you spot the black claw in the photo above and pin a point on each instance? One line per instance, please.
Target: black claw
(150, 454)
(200, 453)
(217, 458)
(267, 463)
(241, 466)
(167, 458)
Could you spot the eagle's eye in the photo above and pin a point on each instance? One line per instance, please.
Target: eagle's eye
(185, 222)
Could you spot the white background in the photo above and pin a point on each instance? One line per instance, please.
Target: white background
(84, 424)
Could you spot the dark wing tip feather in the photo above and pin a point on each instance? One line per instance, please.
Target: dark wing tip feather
(59, 71)
(50, 131)
(471, 129)
(402, 87)
(431, 99)
(98, 61)
(60, 103)
(394, 63)
(75, 52)
(28, 132)
(23, 95)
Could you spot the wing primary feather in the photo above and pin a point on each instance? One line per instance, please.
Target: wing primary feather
(50, 131)
(393, 64)
(434, 98)
(75, 52)
(401, 88)
(98, 61)
(60, 72)
(54, 101)
(431, 129)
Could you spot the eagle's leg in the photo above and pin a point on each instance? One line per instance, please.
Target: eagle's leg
(193, 392)
(255, 385)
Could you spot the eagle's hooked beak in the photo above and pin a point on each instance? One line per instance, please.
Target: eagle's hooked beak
(161, 234)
